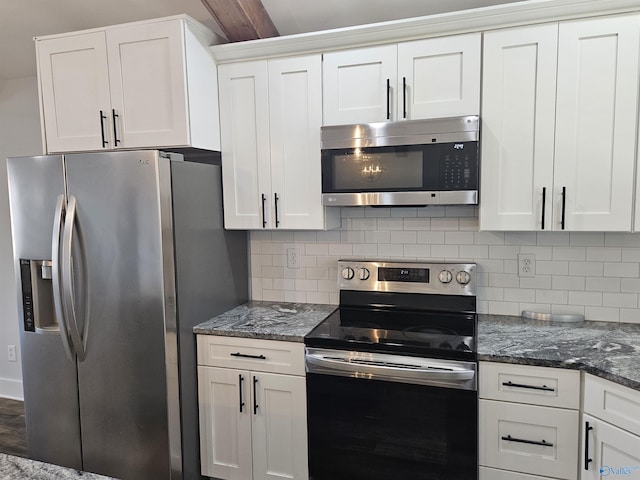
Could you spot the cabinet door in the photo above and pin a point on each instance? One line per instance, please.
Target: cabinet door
(614, 453)
(244, 128)
(518, 119)
(358, 85)
(146, 70)
(295, 103)
(279, 427)
(439, 77)
(74, 84)
(225, 423)
(596, 123)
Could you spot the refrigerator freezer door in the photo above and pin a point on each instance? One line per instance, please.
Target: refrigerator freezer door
(123, 211)
(49, 377)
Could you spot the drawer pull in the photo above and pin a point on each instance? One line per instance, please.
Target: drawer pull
(532, 387)
(255, 396)
(543, 443)
(240, 380)
(587, 460)
(246, 355)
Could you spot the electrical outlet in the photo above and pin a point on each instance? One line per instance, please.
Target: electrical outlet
(11, 353)
(526, 265)
(293, 257)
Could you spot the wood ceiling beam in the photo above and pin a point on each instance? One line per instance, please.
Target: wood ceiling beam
(242, 19)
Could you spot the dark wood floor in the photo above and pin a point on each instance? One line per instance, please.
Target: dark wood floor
(13, 436)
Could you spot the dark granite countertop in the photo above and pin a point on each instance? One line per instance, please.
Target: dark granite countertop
(267, 320)
(608, 350)
(17, 468)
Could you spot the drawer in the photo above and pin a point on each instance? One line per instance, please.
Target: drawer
(529, 439)
(270, 356)
(551, 387)
(612, 402)
(494, 474)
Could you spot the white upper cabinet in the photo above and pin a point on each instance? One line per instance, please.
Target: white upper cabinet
(437, 77)
(271, 112)
(518, 117)
(146, 84)
(560, 156)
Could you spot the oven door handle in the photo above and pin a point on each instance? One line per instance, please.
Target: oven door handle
(387, 368)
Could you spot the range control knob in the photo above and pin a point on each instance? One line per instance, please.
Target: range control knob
(363, 274)
(347, 273)
(463, 277)
(445, 276)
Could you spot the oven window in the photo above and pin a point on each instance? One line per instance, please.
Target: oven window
(378, 169)
(367, 429)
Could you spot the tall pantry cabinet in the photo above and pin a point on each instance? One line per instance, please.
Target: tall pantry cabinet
(559, 125)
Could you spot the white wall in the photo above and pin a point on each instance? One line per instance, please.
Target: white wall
(595, 274)
(19, 135)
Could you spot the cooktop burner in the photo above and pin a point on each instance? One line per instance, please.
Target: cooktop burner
(420, 309)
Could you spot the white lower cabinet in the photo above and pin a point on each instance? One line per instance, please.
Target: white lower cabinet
(610, 431)
(252, 422)
(528, 422)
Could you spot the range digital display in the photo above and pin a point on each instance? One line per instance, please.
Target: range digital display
(413, 275)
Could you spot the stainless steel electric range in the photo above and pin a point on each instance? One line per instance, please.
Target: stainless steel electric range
(391, 375)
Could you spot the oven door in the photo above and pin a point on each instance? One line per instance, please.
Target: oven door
(369, 419)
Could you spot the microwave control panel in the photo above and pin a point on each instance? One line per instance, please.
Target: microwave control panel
(459, 166)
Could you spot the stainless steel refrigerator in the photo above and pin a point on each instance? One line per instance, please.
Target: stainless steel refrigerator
(117, 257)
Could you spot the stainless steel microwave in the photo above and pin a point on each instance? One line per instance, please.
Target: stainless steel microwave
(413, 162)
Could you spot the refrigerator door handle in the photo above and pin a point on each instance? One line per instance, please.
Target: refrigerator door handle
(55, 276)
(67, 280)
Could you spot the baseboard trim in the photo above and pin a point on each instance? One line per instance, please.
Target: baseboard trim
(11, 389)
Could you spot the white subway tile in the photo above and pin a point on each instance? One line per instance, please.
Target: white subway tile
(262, 283)
(255, 288)
(417, 251)
(491, 266)
(431, 238)
(618, 239)
(488, 238)
(552, 296)
(541, 253)
(445, 251)
(277, 260)
(318, 297)
(569, 253)
(504, 308)
(352, 212)
(604, 254)
(482, 306)
(317, 273)
(459, 238)
(364, 224)
(630, 255)
(586, 239)
(282, 236)
(273, 272)
(335, 299)
(539, 281)
(260, 235)
(283, 284)
(365, 250)
(567, 309)
(471, 224)
(503, 251)
(504, 280)
(552, 238)
(587, 269)
(295, 297)
(627, 270)
(520, 238)
(377, 237)
(356, 236)
(403, 237)
(390, 224)
(431, 212)
(627, 300)
(340, 249)
(306, 285)
(567, 282)
(519, 295)
(482, 279)
(305, 236)
(273, 296)
(327, 286)
(417, 223)
(308, 260)
(602, 284)
(536, 307)
(630, 285)
(294, 273)
(630, 315)
(557, 267)
(602, 314)
(460, 211)
(330, 236)
(585, 298)
(377, 212)
(402, 212)
(474, 251)
(276, 248)
(390, 250)
(511, 266)
(316, 249)
(490, 293)
(444, 224)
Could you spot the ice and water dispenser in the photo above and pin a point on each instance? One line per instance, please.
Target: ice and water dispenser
(37, 297)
